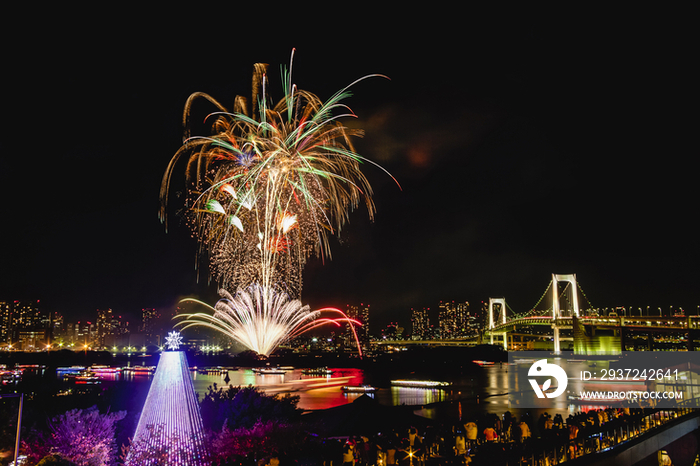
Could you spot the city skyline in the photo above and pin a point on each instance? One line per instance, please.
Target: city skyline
(26, 326)
(522, 150)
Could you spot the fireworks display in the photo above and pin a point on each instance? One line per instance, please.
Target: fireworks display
(261, 318)
(264, 193)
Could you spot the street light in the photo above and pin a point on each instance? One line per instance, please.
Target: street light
(19, 417)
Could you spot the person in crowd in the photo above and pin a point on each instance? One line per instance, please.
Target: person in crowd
(573, 435)
(349, 453)
(558, 421)
(460, 444)
(391, 452)
(490, 434)
(362, 447)
(524, 431)
(472, 431)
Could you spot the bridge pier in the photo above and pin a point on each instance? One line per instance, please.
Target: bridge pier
(557, 341)
(504, 336)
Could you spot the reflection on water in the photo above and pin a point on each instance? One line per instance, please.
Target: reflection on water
(497, 382)
(416, 396)
(487, 391)
(314, 392)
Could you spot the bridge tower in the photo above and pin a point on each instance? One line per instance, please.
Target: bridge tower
(556, 309)
(556, 278)
(492, 324)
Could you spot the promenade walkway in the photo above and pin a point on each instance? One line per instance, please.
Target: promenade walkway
(610, 437)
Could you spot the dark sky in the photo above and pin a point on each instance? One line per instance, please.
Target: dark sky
(524, 147)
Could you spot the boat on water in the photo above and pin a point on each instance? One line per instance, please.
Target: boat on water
(73, 369)
(420, 383)
(140, 370)
(70, 373)
(79, 375)
(269, 370)
(212, 370)
(105, 369)
(317, 371)
(87, 377)
(358, 389)
(8, 376)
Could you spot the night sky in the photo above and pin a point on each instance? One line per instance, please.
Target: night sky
(524, 147)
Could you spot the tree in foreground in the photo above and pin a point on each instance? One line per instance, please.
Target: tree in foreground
(83, 437)
(55, 460)
(244, 421)
(264, 439)
(243, 407)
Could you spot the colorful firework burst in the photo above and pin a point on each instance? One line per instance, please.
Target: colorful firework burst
(270, 185)
(261, 318)
(265, 191)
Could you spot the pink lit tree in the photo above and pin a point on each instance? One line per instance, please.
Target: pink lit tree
(84, 436)
(263, 439)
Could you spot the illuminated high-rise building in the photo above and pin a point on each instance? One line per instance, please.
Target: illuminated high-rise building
(361, 314)
(5, 321)
(103, 325)
(70, 335)
(82, 334)
(447, 319)
(453, 319)
(28, 328)
(420, 321)
(26, 315)
(57, 328)
(462, 319)
(149, 326)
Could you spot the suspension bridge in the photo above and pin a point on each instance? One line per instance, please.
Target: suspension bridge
(565, 309)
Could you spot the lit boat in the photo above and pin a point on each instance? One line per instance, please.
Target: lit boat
(71, 369)
(9, 376)
(87, 377)
(268, 370)
(105, 369)
(69, 373)
(140, 370)
(317, 371)
(420, 383)
(212, 370)
(358, 388)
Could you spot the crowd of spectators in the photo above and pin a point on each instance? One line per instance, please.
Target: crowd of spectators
(488, 439)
